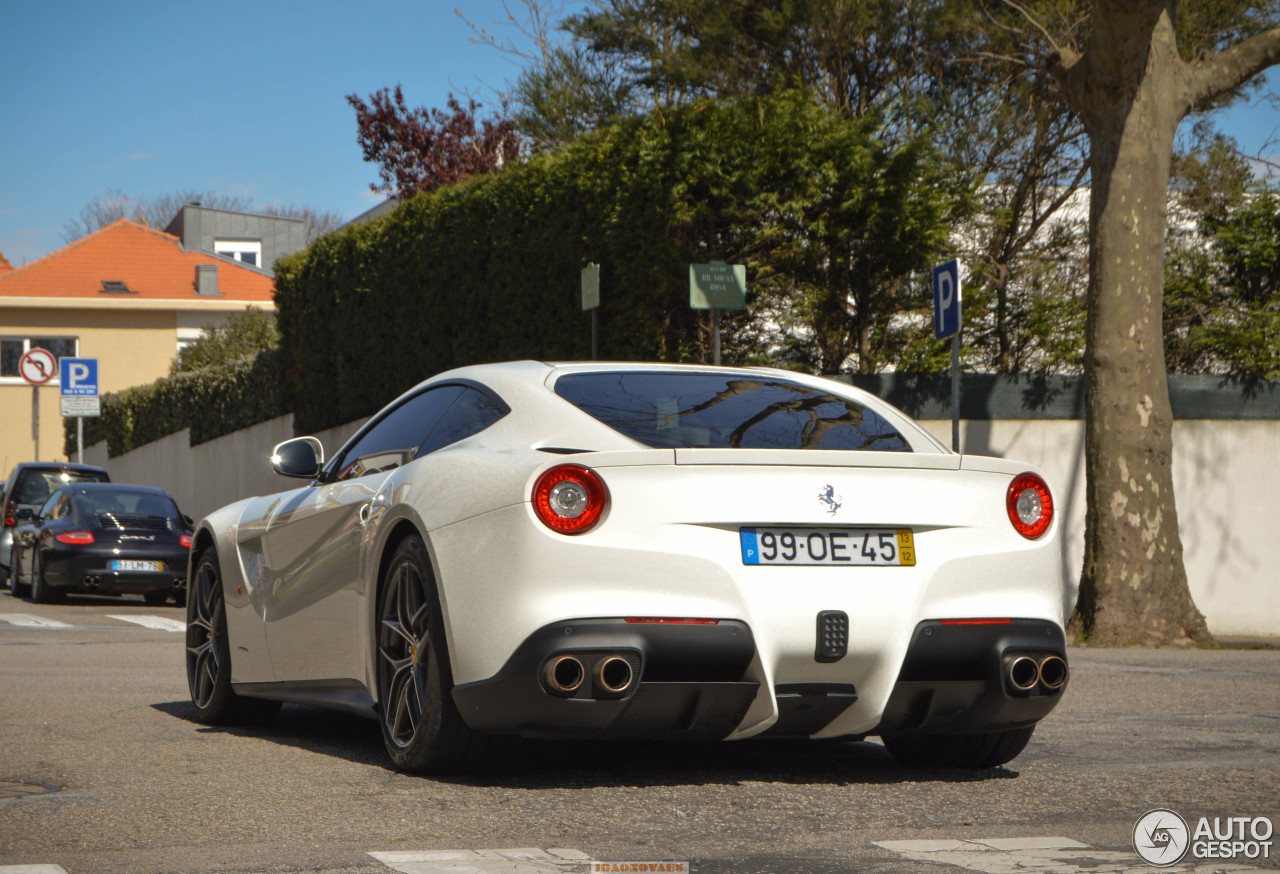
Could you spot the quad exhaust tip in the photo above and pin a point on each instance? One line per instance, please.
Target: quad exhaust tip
(564, 674)
(613, 674)
(1025, 673)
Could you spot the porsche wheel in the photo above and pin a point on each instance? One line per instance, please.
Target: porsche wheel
(41, 591)
(421, 726)
(209, 654)
(986, 750)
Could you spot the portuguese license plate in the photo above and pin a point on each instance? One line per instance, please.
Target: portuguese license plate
(833, 547)
(124, 564)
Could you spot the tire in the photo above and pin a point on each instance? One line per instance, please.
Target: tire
(18, 589)
(42, 592)
(209, 655)
(421, 726)
(986, 750)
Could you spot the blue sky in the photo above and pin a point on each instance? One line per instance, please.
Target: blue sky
(245, 98)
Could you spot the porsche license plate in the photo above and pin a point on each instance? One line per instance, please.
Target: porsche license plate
(122, 564)
(834, 547)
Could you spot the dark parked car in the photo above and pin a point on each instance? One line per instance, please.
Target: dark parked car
(29, 486)
(103, 538)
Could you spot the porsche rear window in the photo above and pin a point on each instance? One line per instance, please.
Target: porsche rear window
(688, 410)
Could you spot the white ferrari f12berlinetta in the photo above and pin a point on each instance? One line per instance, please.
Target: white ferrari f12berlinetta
(638, 551)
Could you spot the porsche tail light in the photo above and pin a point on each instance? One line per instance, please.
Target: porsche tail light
(10, 515)
(570, 498)
(1030, 505)
(75, 538)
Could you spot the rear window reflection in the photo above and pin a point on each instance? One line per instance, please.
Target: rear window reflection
(692, 410)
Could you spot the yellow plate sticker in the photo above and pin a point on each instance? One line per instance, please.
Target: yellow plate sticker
(906, 548)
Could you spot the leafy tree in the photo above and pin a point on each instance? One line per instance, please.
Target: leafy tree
(421, 149)
(159, 210)
(1132, 80)
(1222, 271)
(243, 335)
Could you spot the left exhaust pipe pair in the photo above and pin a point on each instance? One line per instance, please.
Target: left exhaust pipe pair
(565, 674)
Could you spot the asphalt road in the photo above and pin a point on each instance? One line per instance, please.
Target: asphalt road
(98, 708)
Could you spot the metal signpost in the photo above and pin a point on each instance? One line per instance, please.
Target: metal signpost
(80, 395)
(591, 301)
(946, 323)
(717, 286)
(37, 367)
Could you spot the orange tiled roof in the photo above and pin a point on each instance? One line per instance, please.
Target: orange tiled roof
(150, 263)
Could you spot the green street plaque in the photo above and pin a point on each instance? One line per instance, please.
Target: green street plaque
(718, 286)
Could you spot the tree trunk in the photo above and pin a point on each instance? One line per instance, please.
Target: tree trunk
(1133, 587)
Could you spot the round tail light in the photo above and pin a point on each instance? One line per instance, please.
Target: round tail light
(569, 498)
(1030, 505)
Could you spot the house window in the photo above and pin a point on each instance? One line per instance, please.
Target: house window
(13, 348)
(244, 251)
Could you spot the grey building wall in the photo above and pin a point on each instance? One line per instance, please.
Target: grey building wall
(198, 227)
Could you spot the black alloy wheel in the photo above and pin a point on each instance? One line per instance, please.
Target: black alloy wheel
(41, 591)
(209, 654)
(421, 726)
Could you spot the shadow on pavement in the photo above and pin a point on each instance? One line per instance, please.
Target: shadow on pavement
(536, 764)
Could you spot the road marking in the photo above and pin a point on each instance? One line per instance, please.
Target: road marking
(524, 860)
(28, 620)
(1047, 855)
(160, 623)
(32, 869)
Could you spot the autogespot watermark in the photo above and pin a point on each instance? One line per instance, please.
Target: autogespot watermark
(1163, 838)
(640, 868)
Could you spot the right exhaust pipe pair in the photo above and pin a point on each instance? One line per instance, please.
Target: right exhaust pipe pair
(565, 674)
(1027, 672)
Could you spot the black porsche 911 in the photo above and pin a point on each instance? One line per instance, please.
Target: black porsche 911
(103, 538)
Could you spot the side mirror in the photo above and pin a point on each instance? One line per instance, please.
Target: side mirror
(301, 457)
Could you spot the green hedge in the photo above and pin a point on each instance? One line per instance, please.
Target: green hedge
(489, 270)
(211, 402)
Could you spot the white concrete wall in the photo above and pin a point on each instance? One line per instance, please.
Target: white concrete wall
(1226, 478)
(1226, 474)
(205, 477)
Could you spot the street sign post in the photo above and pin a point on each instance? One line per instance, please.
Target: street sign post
(591, 301)
(946, 323)
(37, 366)
(79, 386)
(717, 286)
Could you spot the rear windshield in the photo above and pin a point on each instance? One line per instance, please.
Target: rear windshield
(35, 486)
(128, 503)
(685, 410)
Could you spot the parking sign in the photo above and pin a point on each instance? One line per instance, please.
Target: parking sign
(946, 299)
(79, 377)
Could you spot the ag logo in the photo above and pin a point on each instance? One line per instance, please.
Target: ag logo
(1161, 838)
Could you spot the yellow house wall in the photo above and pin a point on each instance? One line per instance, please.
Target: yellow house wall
(133, 346)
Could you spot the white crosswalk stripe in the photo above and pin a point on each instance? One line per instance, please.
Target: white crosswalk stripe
(1046, 855)
(524, 860)
(32, 869)
(160, 623)
(28, 620)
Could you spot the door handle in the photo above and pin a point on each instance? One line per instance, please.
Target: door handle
(365, 509)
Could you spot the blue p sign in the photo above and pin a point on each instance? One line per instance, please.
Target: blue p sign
(946, 299)
(79, 376)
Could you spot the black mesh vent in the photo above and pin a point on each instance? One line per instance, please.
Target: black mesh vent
(133, 522)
